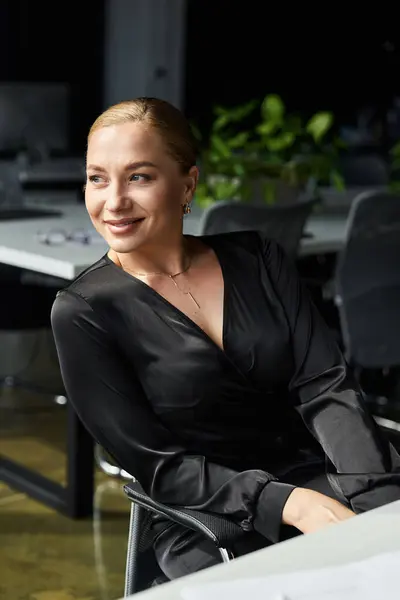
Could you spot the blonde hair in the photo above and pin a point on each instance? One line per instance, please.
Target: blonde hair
(170, 123)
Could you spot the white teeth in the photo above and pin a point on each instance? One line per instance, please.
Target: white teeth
(125, 223)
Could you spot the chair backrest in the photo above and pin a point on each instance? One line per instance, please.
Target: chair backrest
(368, 281)
(283, 223)
(364, 170)
(10, 187)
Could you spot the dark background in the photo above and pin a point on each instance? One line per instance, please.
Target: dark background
(57, 42)
(235, 51)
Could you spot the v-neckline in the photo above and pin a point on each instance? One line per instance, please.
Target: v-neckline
(209, 242)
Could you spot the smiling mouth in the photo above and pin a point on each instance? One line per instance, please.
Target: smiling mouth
(124, 222)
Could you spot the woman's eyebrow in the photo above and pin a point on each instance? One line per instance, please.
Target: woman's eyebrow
(129, 167)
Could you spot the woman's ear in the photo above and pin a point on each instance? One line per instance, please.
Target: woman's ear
(192, 179)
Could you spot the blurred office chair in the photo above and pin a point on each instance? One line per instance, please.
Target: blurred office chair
(10, 187)
(367, 284)
(221, 531)
(369, 170)
(284, 223)
(13, 201)
(53, 180)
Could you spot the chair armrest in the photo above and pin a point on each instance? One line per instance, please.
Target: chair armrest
(221, 531)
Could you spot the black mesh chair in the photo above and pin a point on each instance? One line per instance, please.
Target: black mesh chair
(284, 223)
(219, 530)
(367, 281)
(367, 292)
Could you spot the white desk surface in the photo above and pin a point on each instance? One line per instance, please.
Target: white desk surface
(362, 537)
(20, 247)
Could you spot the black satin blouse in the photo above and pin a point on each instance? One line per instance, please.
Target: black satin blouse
(211, 429)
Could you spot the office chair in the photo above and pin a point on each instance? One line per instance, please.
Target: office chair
(364, 170)
(13, 205)
(221, 531)
(367, 284)
(283, 223)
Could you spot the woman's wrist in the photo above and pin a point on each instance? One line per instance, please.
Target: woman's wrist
(292, 510)
(308, 510)
(301, 503)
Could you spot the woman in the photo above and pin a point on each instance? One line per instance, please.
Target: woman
(200, 364)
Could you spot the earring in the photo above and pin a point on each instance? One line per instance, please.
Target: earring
(186, 208)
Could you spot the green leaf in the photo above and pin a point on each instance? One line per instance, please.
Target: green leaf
(239, 140)
(204, 201)
(225, 188)
(201, 189)
(281, 142)
(203, 196)
(239, 169)
(225, 116)
(267, 128)
(338, 180)
(196, 132)
(272, 108)
(219, 110)
(319, 125)
(244, 110)
(220, 122)
(213, 158)
(269, 192)
(220, 147)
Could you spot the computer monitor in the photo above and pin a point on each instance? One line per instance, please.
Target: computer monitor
(34, 115)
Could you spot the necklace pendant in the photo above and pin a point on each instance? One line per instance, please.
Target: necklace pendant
(194, 300)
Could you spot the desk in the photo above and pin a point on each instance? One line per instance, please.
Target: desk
(20, 248)
(365, 536)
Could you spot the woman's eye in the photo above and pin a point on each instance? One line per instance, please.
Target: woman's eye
(95, 179)
(136, 177)
(140, 177)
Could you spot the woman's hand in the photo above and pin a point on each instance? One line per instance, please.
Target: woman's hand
(310, 511)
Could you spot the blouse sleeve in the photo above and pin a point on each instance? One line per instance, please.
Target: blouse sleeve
(366, 468)
(109, 400)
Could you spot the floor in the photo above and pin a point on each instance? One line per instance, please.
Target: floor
(44, 555)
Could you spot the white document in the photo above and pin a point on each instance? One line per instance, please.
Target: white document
(372, 579)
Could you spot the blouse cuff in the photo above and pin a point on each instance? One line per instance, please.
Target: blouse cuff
(268, 517)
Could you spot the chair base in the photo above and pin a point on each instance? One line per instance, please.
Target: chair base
(226, 556)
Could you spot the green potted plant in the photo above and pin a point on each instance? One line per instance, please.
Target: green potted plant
(225, 167)
(275, 160)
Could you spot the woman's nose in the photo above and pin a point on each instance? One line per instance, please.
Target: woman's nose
(117, 197)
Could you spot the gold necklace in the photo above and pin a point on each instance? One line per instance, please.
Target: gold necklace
(172, 278)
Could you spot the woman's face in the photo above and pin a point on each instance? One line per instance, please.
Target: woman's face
(135, 190)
